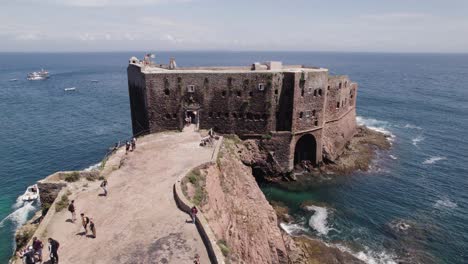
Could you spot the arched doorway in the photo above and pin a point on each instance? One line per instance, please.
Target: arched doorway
(306, 150)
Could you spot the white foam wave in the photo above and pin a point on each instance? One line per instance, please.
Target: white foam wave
(20, 215)
(445, 203)
(93, 167)
(410, 126)
(376, 125)
(417, 139)
(292, 229)
(369, 256)
(393, 157)
(433, 160)
(318, 221)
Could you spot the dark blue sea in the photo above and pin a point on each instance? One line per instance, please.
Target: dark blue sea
(419, 100)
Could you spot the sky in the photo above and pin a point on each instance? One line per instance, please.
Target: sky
(439, 26)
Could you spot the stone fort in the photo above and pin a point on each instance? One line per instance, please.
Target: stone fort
(298, 112)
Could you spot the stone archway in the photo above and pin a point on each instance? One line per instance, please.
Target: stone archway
(306, 150)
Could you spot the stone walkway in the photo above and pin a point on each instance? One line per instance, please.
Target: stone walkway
(138, 222)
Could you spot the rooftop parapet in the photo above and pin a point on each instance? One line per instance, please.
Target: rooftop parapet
(148, 66)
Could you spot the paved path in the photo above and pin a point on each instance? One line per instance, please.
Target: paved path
(138, 222)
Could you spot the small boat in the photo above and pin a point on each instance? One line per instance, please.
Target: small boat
(13, 80)
(70, 89)
(40, 75)
(94, 81)
(31, 193)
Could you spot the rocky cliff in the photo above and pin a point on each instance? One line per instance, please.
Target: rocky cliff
(244, 222)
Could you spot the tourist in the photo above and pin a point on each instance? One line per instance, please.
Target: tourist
(84, 222)
(104, 186)
(71, 209)
(27, 255)
(92, 228)
(197, 259)
(53, 249)
(127, 146)
(37, 247)
(133, 143)
(193, 213)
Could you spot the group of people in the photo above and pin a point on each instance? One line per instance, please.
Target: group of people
(85, 220)
(33, 253)
(130, 145)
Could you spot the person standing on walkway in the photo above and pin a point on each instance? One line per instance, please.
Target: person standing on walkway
(133, 143)
(37, 247)
(92, 227)
(71, 209)
(85, 222)
(53, 249)
(193, 214)
(104, 186)
(127, 146)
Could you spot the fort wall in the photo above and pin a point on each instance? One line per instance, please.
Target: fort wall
(301, 112)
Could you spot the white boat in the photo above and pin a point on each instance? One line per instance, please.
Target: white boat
(70, 89)
(94, 81)
(13, 80)
(40, 75)
(31, 193)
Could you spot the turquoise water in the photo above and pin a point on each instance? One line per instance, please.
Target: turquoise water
(420, 99)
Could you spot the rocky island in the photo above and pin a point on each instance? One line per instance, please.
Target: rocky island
(205, 136)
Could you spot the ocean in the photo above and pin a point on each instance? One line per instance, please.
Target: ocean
(420, 100)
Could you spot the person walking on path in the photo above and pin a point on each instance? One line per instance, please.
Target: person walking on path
(104, 186)
(71, 209)
(53, 249)
(127, 146)
(133, 143)
(85, 222)
(92, 227)
(193, 213)
(37, 247)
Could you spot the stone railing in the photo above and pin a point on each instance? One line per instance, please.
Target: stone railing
(203, 227)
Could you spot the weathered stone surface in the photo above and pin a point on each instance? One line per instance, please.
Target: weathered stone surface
(281, 106)
(239, 213)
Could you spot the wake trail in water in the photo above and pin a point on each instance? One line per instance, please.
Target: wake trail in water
(20, 216)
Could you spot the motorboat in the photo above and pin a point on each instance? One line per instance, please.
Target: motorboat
(13, 80)
(31, 193)
(40, 75)
(69, 89)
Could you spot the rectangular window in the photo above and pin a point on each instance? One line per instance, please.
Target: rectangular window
(261, 86)
(309, 90)
(307, 114)
(191, 88)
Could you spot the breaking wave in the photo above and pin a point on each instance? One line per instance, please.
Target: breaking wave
(433, 160)
(93, 167)
(293, 229)
(318, 221)
(370, 257)
(417, 139)
(376, 125)
(445, 203)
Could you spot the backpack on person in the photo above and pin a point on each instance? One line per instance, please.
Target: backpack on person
(71, 208)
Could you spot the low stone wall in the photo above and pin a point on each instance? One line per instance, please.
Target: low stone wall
(203, 227)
